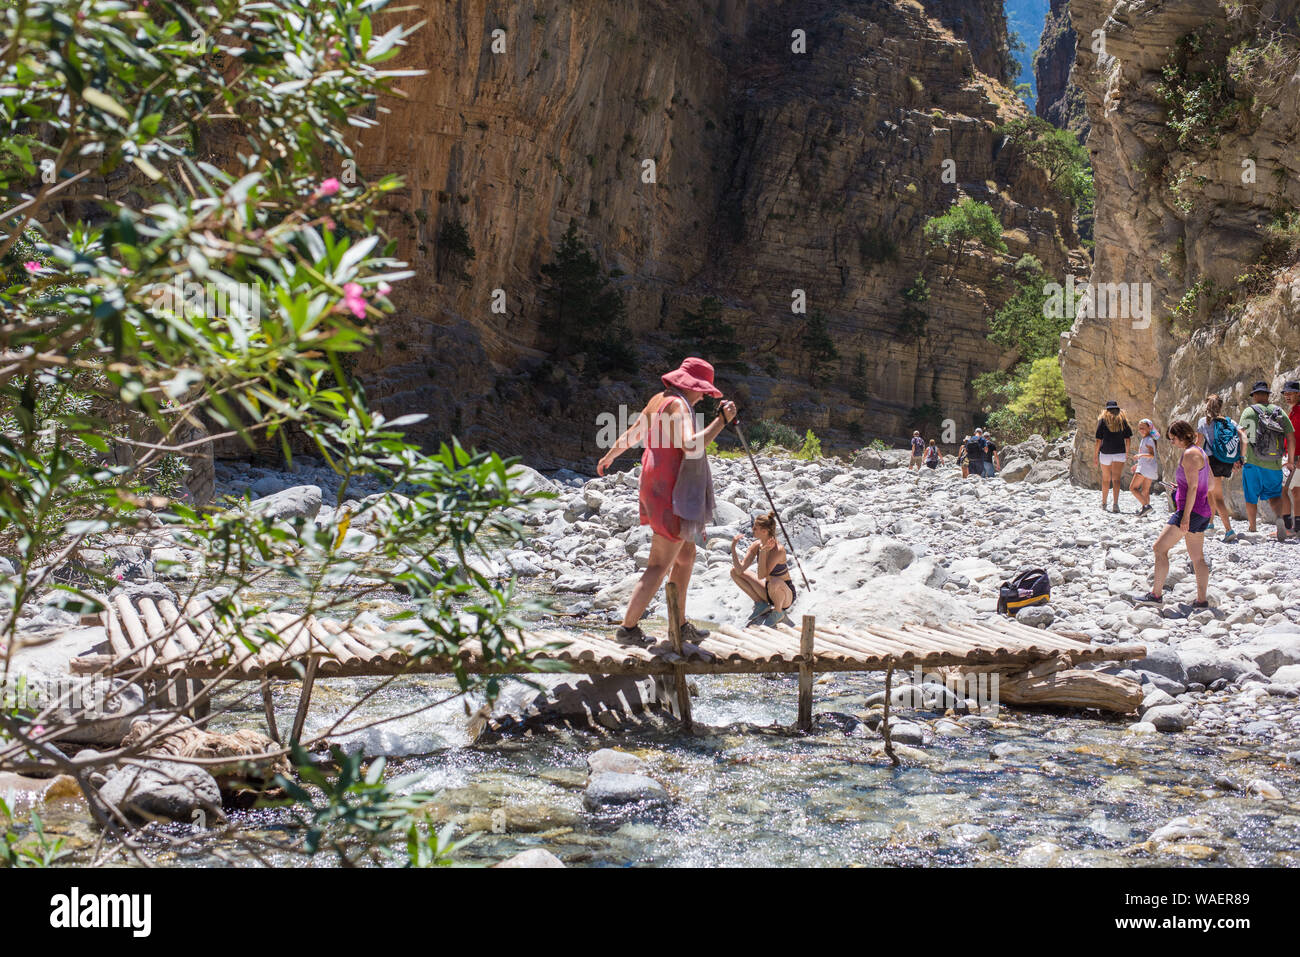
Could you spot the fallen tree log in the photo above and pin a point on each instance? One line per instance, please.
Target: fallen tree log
(1054, 682)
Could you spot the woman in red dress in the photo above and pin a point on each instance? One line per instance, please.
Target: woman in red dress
(667, 428)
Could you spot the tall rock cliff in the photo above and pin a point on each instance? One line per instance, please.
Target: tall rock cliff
(796, 145)
(1194, 121)
(1060, 101)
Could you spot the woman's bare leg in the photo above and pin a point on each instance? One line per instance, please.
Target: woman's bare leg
(663, 552)
(782, 597)
(1196, 551)
(683, 565)
(749, 584)
(1167, 539)
(1219, 502)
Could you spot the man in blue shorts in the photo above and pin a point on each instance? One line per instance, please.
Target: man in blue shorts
(1265, 432)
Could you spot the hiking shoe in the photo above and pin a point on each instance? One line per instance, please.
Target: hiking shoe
(1231, 535)
(1200, 605)
(692, 634)
(760, 610)
(1151, 599)
(630, 636)
(1143, 510)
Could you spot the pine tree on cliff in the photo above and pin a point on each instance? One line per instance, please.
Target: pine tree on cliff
(583, 314)
(969, 221)
(708, 335)
(817, 345)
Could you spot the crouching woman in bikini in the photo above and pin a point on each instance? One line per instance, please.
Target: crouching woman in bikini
(771, 589)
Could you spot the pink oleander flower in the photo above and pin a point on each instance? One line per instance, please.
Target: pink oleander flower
(38, 730)
(124, 271)
(329, 187)
(32, 266)
(353, 300)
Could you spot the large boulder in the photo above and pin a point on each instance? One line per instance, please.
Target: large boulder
(1206, 667)
(727, 514)
(1273, 648)
(610, 789)
(1032, 449)
(95, 710)
(166, 790)
(1016, 469)
(301, 501)
(869, 459)
(1046, 471)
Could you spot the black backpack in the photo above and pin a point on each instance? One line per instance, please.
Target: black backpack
(974, 449)
(1029, 587)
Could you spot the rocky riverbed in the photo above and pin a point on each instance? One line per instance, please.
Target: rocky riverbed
(1206, 771)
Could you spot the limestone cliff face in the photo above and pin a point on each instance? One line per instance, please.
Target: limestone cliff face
(1060, 101)
(1189, 218)
(774, 171)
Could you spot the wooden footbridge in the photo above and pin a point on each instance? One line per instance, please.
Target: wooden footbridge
(157, 642)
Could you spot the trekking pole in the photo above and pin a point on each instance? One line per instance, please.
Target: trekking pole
(735, 424)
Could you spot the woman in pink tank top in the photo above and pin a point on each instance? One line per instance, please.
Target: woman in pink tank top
(1192, 518)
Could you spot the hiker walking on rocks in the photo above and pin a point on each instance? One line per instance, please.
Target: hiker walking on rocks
(772, 589)
(1113, 435)
(1192, 501)
(963, 457)
(1221, 438)
(676, 494)
(918, 447)
(975, 453)
(1264, 431)
(992, 461)
(1290, 480)
(1145, 469)
(933, 455)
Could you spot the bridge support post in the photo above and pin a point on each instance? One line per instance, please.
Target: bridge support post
(678, 682)
(806, 672)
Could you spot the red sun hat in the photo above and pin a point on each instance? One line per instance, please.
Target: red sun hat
(693, 374)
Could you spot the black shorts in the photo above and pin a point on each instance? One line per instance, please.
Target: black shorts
(932, 465)
(1221, 469)
(1195, 526)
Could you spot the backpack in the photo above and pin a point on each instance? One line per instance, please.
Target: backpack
(1226, 444)
(974, 449)
(932, 453)
(1030, 587)
(1270, 436)
(917, 445)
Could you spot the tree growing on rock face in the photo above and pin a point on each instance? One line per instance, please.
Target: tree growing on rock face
(817, 344)
(1058, 153)
(1041, 400)
(707, 335)
(968, 221)
(455, 251)
(225, 296)
(583, 313)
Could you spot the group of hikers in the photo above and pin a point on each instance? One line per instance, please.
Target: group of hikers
(977, 454)
(676, 487)
(1261, 445)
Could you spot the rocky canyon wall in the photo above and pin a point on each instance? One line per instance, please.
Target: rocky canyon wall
(1060, 101)
(1189, 175)
(775, 170)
